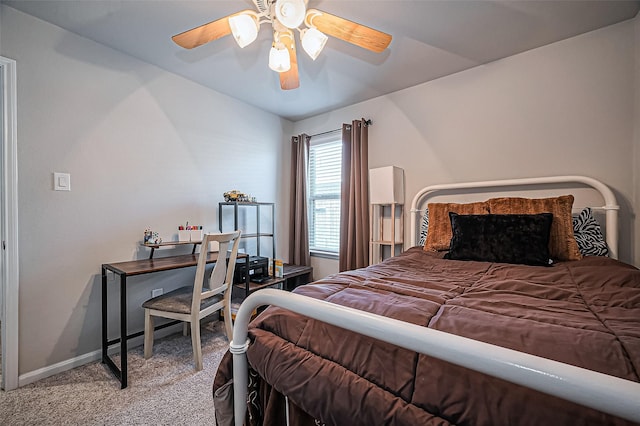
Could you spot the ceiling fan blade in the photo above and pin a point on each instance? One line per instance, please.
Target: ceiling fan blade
(290, 79)
(205, 33)
(349, 31)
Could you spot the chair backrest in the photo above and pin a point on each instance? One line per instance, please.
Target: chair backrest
(221, 278)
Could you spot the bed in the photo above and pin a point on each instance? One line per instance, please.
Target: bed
(431, 337)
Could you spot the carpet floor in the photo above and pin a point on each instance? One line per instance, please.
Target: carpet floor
(163, 390)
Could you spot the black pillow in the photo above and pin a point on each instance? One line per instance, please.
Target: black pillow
(504, 238)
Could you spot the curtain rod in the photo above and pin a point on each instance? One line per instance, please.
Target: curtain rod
(367, 123)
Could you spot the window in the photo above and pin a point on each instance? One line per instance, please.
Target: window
(325, 164)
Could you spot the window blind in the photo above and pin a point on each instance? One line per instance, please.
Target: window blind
(325, 165)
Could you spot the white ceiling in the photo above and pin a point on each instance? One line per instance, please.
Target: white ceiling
(431, 39)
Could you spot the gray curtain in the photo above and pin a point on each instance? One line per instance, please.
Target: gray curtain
(299, 226)
(354, 202)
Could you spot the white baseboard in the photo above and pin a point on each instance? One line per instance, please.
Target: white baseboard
(44, 372)
(60, 367)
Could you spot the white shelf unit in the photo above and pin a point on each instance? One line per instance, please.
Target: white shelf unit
(386, 235)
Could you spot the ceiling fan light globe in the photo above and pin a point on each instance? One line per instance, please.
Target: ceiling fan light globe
(244, 29)
(279, 59)
(313, 42)
(290, 13)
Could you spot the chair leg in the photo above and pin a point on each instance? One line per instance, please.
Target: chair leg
(185, 328)
(228, 324)
(195, 342)
(148, 334)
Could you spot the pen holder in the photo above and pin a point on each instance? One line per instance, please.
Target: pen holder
(184, 235)
(196, 234)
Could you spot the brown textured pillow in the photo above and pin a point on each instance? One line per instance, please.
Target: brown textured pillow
(562, 244)
(439, 231)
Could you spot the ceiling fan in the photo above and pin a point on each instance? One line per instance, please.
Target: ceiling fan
(285, 16)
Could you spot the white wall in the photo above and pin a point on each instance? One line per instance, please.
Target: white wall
(565, 108)
(145, 148)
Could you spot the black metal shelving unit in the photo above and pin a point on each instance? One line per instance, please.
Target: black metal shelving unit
(256, 261)
(260, 233)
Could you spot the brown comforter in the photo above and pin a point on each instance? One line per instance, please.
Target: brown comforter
(585, 313)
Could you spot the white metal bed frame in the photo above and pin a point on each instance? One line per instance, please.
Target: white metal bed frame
(608, 394)
(610, 206)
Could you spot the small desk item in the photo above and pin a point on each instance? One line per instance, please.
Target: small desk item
(153, 247)
(129, 269)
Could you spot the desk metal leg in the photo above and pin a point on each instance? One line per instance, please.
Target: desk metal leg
(105, 345)
(247, 279)
(120, 373)
(123, 331)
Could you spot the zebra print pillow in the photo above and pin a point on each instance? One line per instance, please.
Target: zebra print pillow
(424, 226)
(588, 235)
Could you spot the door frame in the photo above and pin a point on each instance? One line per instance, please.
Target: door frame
(9, 282)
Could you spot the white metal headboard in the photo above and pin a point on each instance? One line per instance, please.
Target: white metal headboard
(610, 206)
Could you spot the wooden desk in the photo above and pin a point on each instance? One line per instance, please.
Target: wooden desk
(292, 277)
(296, 275)
(129, 269)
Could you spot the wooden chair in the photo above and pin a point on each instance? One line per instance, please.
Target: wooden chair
(192, 303)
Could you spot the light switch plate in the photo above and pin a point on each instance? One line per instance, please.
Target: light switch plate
(61, 181)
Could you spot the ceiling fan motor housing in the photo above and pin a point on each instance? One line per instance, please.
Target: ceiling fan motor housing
(290, 12)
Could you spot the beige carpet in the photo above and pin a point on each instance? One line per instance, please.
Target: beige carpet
(164, 390)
